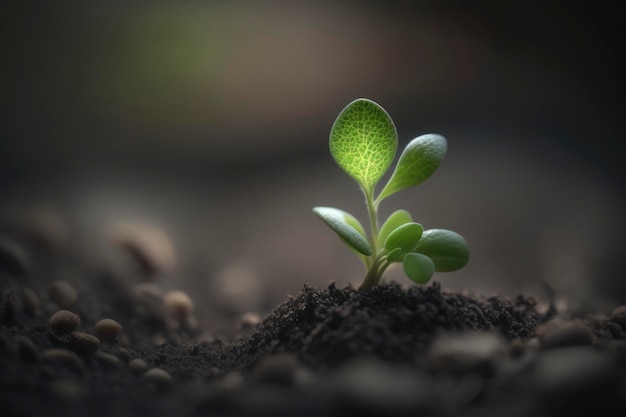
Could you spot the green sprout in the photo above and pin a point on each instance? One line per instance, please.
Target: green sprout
(363, 142)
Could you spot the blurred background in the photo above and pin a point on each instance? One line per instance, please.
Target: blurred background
(209, 121)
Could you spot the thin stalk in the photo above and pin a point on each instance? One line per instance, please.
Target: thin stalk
(374, 273)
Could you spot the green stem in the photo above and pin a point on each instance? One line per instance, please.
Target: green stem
(373, 274)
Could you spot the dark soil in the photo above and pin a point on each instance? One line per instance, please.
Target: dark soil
(323, 352)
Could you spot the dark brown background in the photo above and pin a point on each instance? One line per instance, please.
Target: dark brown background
(211, 120)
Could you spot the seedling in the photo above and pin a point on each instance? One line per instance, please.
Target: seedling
(363, 142)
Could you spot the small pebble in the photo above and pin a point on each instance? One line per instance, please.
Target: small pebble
(65, 358)
(30, 302)
(178, 303)
(107, 358)
(9, 310)
(108, 328)
(619, 316)
(13, 258)
(83, 343)
(566, 334)
(27, 349)
(64, 322)
(159, 376)
(138, 365)
(63, 293)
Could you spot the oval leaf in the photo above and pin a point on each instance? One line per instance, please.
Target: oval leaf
(397, 218)
(419, 268)
(418, 161)
(337, 220)
(448, 250)
(363, 142)
(404, 237)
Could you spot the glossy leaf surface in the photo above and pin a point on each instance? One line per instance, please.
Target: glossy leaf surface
(396, 219)
(404, 237)
(448, 250)
(419, 268)
(346, 226)
(418, 161)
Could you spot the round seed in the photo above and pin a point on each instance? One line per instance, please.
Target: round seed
(138, 365)
(159, 376)
(178, 303)
(64, 322)
(108, 328)
(63, 293)
(83, 343)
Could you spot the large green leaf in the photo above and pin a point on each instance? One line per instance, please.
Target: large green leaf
(418, 161)
(363, 142)
(419, 268)
(448, 250)
(346, 226)
(397, 218)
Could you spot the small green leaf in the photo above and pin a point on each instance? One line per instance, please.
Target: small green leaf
(397, 218)
(448, 250)
(363, 142)
(419, 268)
(404, 237)
(395, 255)
(340, 221)
(418, 161)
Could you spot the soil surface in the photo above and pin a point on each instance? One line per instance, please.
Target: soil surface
(328, 351)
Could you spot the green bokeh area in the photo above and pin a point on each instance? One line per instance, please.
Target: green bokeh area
(363, 142)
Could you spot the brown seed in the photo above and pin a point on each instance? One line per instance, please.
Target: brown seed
(64, 322)
(63, 293)
(83, 343)
(108, 328)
